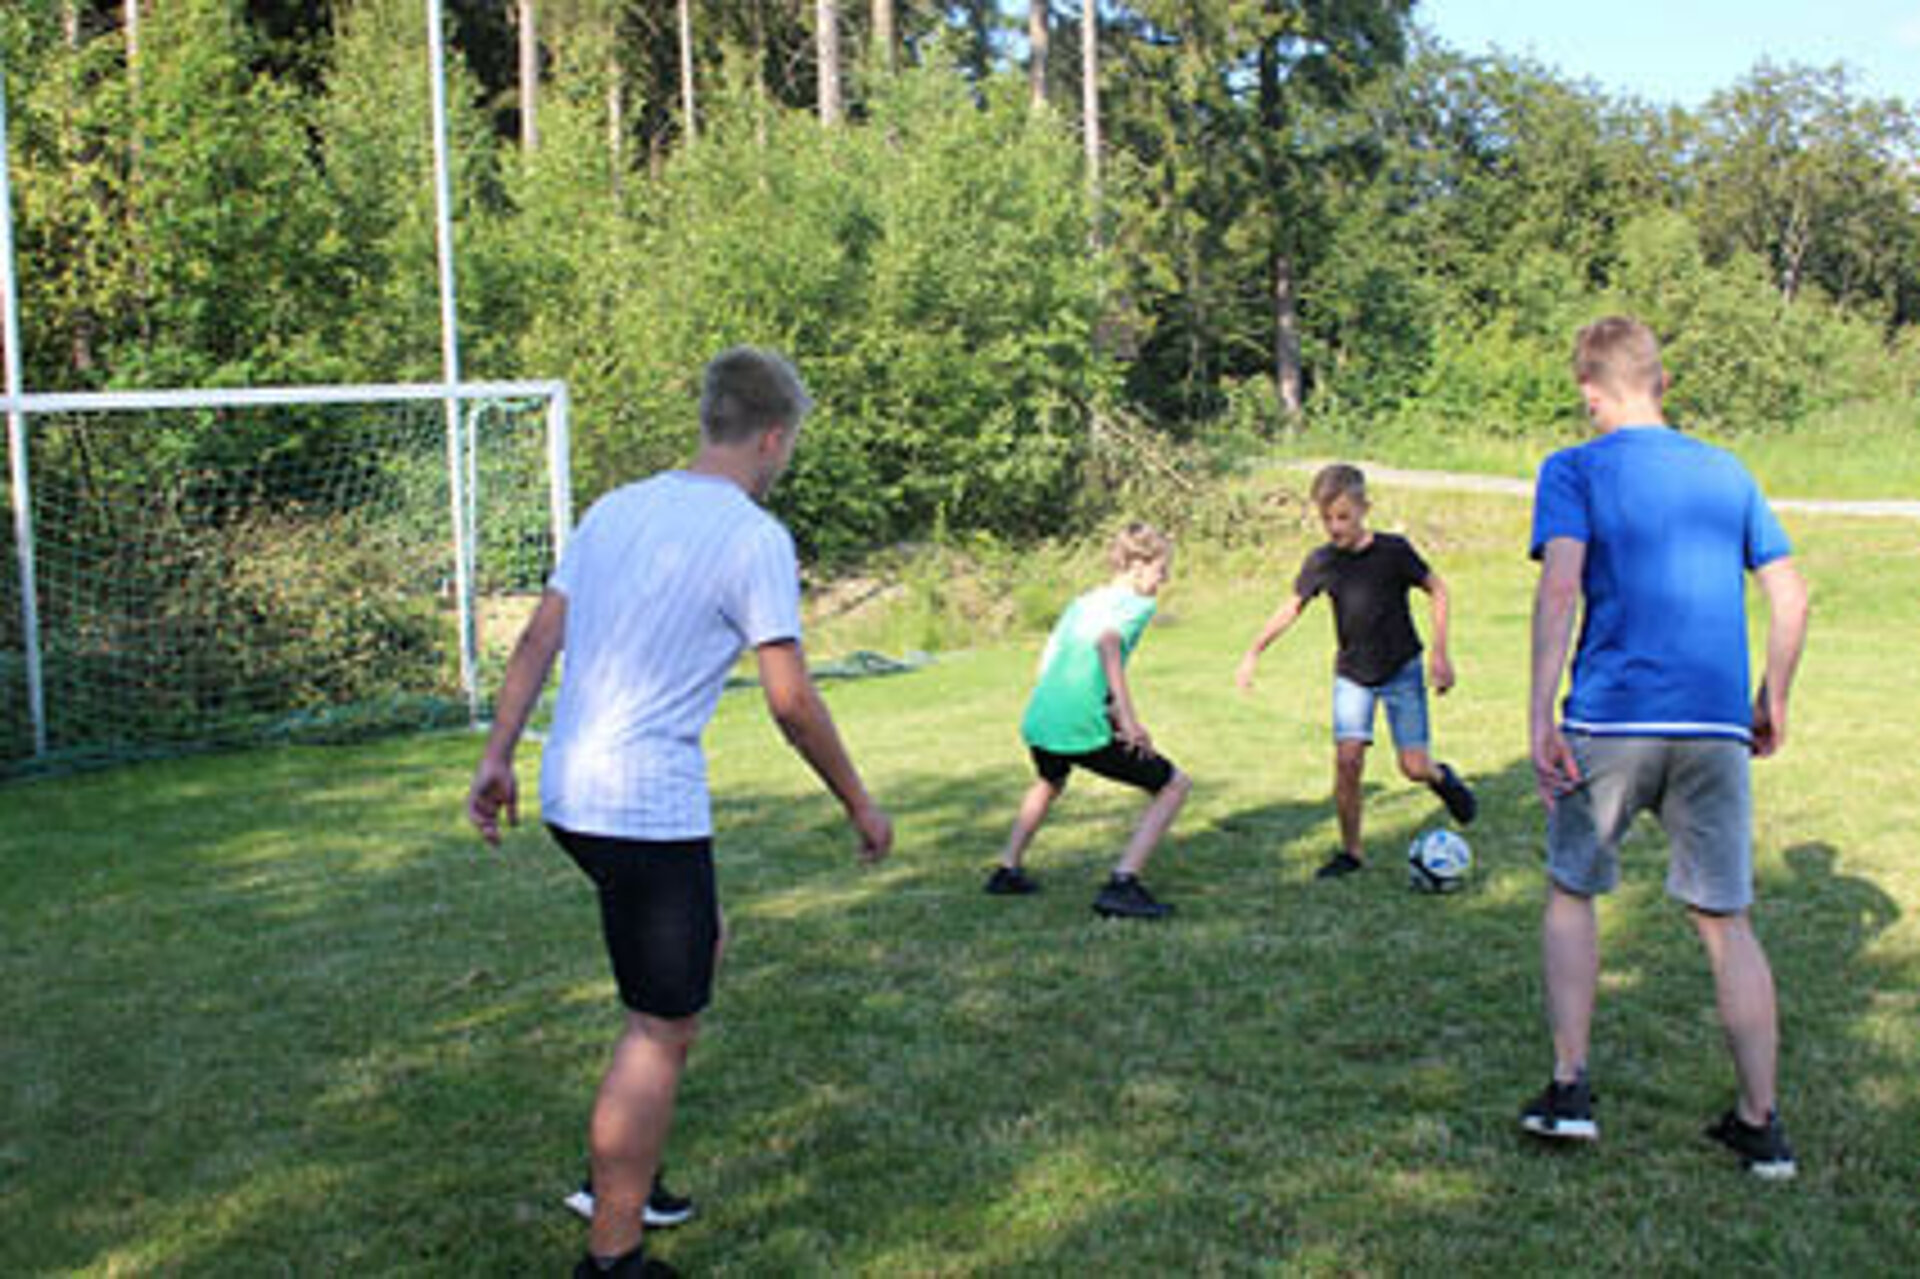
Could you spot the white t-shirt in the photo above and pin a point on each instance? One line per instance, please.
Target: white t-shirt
(667, 581)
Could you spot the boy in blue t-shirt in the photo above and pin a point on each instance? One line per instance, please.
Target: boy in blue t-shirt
(1656, 534)
(1367, 576)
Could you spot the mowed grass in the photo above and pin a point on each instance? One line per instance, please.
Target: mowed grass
(281, 1013)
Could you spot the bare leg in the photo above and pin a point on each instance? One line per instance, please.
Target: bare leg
(1416, 765)
(1743, 986)
(1154, 823)
(1570, 951)
(1349, 766)
(631, 1118)
(1034, 806)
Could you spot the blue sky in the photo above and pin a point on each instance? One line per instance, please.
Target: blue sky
(1681, 51)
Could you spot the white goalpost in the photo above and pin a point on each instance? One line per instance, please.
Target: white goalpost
(195, 568)
(202, 567)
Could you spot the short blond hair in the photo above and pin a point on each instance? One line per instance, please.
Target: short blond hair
(1138, 543)
(1337, 481)
(747, 390)
(1621, 356)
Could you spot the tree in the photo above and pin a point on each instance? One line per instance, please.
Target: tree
(1820, 184)
(688, 113)
(1090, 92)
(529, 65)
(886, 36)
(827, 22)
(1037, 23)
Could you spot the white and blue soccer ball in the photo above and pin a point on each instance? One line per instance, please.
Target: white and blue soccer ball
(1438, 861)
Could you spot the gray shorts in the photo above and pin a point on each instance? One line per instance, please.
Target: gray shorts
(1699, 787)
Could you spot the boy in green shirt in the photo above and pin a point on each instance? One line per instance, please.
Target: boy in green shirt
(1081, 716)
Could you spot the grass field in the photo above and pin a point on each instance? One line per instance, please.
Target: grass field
(281, 1013)
(1863, 452)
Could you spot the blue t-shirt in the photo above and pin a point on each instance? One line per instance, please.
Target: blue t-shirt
(1671, 528)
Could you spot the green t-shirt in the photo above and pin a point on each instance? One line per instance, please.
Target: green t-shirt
(1068, 711)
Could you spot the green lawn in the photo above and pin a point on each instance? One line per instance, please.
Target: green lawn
(280, 1013)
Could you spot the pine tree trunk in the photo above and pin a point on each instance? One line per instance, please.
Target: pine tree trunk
(827, 17)
(886, 35)
(529, 77)
(1289, 381)
(686, 70)
(1037, 50)
(1090, 90)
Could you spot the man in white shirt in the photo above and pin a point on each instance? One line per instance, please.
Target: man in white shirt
(663, 585)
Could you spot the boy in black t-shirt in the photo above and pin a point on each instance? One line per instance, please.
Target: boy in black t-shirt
(1367, 576)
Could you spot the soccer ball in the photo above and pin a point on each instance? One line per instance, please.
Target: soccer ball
(1438, 861)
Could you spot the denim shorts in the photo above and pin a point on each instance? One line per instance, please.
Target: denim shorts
(1405, 694)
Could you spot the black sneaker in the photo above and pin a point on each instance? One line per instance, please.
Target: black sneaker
(1461, 805)
(1127, 898)
(1563, 1112)
(634, 1265)
(1011, 881)
(1341, 863)
(1763, 1149)
(664, 1209)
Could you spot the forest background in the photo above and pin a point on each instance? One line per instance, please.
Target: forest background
(1007, 251)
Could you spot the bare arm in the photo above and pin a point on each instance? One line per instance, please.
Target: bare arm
(494, 788)
(1126, 722)
(1787, 609)
(1556, 603)
(797, 708)
(1283, 617)
(1438, 661)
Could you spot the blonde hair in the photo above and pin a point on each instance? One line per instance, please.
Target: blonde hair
(1138, 543)
(747, 390)
(1337, 481)
(1621, 356)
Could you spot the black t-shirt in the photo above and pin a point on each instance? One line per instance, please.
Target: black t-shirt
(1368, 588)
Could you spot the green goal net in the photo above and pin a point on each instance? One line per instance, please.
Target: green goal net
(191, 571)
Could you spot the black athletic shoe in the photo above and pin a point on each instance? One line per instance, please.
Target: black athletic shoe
(1126, 897)
(1461, 805)
(664, 1209)
(634, 1265)
(1011, 881)
(1341, 863)
(1763, 1149)
(1563, 1112)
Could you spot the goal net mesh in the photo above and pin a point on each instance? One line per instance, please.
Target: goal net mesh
(210, 577)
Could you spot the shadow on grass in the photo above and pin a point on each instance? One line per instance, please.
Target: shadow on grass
(313, 1038)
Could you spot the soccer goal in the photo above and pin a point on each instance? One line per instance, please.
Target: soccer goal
(190, 569)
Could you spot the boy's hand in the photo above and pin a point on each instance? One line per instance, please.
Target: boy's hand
(493, 790)
(1440, 673)
(1769, 724)
(875, 829)
(1243, 674)
(1133, 735)
(1555, 770)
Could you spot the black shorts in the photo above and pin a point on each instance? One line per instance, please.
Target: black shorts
(661, 916)
(1147, 770)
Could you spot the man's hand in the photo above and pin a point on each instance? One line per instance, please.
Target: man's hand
(875, 829)
(1769, 724)
(493, 791)
(1440, 672)
(1555, 770)
(1243, 674)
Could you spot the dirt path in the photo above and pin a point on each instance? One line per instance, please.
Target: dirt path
(1464, 483)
